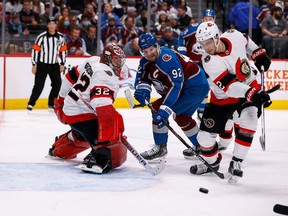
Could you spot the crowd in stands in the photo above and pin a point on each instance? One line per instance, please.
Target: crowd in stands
(123, 21)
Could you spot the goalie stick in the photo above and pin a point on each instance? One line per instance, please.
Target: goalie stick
(155, 170)
(129, 98)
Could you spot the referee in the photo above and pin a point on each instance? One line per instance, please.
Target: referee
(48, 58)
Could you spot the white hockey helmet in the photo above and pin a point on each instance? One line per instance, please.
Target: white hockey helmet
(207, 30)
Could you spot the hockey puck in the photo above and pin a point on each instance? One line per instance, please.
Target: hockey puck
(281, 209)
(204, 190)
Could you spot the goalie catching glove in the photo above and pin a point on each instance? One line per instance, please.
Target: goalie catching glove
(260, 59)
(143, 93)
(162, 115)
(258, 97)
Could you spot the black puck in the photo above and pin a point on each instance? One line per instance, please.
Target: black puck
(203, 190)
(281, 209)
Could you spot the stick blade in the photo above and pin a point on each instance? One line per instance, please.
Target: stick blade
(262, 143)
(156, 170)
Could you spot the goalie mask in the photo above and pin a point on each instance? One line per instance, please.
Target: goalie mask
(113, 56)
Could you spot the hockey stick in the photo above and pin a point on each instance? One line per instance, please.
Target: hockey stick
(129, 98)
(152, 170)
(262, 138)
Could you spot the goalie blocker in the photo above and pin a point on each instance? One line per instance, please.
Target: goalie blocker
(107, 131)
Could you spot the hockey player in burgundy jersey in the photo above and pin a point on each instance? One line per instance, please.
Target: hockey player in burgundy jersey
(234, 87)
(92, 84)
(180, 82)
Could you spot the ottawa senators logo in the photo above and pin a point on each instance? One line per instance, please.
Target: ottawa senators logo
(166, 57)
(207, 58)
(245, 68)
(209, 123)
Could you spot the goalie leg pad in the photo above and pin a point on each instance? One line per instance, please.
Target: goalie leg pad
(115, 154)
(67, 149)
(110, 124)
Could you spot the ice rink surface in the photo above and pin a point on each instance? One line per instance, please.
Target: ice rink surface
(31, 184)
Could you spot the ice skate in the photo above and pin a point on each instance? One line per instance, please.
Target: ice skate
(189, 153)
(235, 171)
(90, 164)
(199, 169)
(157, 153)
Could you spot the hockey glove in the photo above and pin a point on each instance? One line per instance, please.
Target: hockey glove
(258, 97)
(142, 93)
(260, 59)
(162, 115)
(58, 109)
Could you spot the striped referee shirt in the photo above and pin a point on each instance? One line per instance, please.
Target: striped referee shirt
(49, 49)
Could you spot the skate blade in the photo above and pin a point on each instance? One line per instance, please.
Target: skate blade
(93, 169)
(157, 160)
(190, 157)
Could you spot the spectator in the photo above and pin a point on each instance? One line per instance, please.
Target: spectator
(110, 33)
(48, 58)
(57, 5)
(188, 9)
(141, 21)
(173, 22)
(45, 16)
(132, 12)
(75, 44)
(121, 9)
(131, 48)
(91, 40)
(162, 20)
(275, 39)
(28, 17)
(84, 23)
(286, 10)
(265, 10)
(15, 31)
(108, 13)
(66, 21)
(168, 39)
(128, 31)
(183, 18)
(38, 7)
(13, 6)
(239, 17)
(78, 5)
(90, 14)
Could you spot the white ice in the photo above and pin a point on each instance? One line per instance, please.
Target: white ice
(31, 184)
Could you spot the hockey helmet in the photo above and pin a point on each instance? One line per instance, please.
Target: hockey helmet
(113, 56)
(209, 13)
(207, 30)
(147, 40)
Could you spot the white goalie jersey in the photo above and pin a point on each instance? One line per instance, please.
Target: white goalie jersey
(95, 82)
(230, 73)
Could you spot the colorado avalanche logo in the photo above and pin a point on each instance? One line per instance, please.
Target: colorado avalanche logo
(166, 57)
